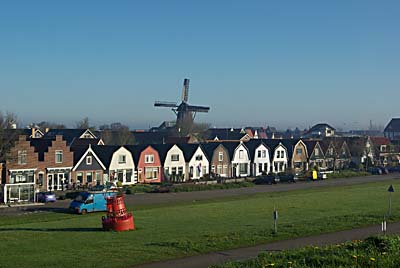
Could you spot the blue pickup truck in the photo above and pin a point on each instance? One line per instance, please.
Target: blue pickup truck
(87, 202)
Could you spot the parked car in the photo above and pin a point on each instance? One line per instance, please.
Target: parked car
(375, 171)
(87, 202)
(286, 177)
(265, 179)
(45, 197)
(394, 169)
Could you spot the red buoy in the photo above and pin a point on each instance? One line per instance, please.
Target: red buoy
(117, 219)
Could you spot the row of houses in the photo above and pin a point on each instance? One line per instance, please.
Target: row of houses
(66, 158)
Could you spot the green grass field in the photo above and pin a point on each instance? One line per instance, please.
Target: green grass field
(176, 230)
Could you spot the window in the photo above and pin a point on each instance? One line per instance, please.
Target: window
(243, 168)
(316, 152)
(149, 158)
(278, 154)
(98, 177)
(173, 170)
(260, 167)
(219, 169)
(175, 157)
(151, 173)
(258, 154)
(383, 148)
(40, 179)
(180, 170)
(120, 175)
(128, 175)
(22, 157)
(241, 154)
(89, 177)
(59, 157)
(220, 156)
(265, 167)
(122, 159)
(282, 154)
(264, 153)
(199, 157)
(299, 151)
(88, 160)
(79, 177)
(213, 168)
(225, 170)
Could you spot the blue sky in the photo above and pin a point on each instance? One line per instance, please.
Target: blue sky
(281, 63)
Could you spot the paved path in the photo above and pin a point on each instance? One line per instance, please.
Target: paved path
(219, 257)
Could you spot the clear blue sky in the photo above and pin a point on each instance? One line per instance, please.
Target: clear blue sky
(281, 63)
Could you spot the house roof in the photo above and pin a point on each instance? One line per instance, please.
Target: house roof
(188, 150)
(393, 126)
(69, 135)
(226, 134)
(145, 137)
(231, 147)
(252, 146)
(208, 149)
(105, 153)
(136, 151)
(84, 143)
(378, 141)
(162, 150)
(320, 126)
(41, 146)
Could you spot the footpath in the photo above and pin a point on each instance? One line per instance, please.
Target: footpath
(219, 257)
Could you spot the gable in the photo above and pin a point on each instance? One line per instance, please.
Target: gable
(122, 158)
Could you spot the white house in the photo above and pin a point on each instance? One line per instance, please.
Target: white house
(198, 164)
(241, 161)
(280, 159)
(122, 167)
(261, 162)
(175, 165)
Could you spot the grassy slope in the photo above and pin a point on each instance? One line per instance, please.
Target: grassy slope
(169, 231)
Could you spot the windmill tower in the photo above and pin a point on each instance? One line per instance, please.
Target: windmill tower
(185, 113)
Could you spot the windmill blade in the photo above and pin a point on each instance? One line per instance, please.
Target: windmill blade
(185, 90)
(165, 104)
(201, 109)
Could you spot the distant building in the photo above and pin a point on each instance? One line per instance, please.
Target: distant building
(392, 130)
(320, 130)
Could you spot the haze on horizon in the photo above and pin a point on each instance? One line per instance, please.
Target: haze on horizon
(283, 64)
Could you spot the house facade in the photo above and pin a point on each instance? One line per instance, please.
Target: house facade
(150, 169)
(241, 161)
(220, 161)
(175, 165)
(260, 157)
(280, 159)
(89, 170)
(122, 167)
(299, 161)
(198, 164)
(21, 174)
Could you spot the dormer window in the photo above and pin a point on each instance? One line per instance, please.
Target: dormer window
(88, 160)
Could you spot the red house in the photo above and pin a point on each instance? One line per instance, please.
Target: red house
(150, 166)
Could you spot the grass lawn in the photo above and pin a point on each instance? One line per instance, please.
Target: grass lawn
(176, 230)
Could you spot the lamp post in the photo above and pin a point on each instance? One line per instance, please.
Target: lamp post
(390, 190)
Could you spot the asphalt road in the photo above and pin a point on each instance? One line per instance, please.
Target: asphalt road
(163, 198)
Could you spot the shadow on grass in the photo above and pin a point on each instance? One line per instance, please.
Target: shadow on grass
(49, 209)
(53, 229)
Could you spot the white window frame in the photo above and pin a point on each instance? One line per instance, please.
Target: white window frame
(58, 153)
(89, 160)
(148, 158)
(220, 156)
(122, 159)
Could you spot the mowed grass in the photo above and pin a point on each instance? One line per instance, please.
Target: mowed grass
(176, 230)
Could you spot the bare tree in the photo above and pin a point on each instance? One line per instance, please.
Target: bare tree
(118, 134)
(8, 134)
(82, 124)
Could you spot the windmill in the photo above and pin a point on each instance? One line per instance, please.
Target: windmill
(185, 113)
